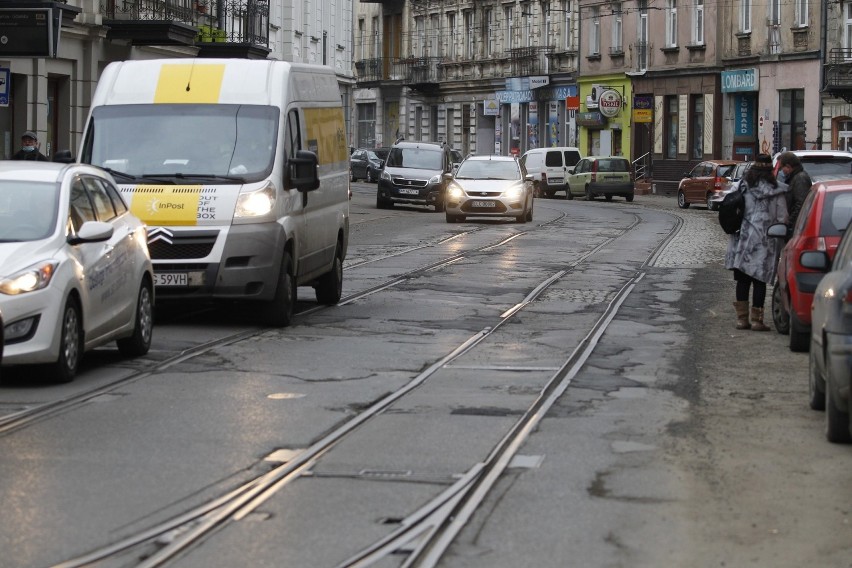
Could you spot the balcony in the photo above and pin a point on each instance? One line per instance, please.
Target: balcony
(838, 73)
(219, 28)
(376, 71)
(526, 61)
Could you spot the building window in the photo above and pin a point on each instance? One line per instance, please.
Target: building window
(469, 43)
(642, 36)
(792, 115)
(367, 125)
(569, 26)
(419, 37)
(526, 12)
(362, 38)
(545, 9)
(802, 15)
(698, 23)
(595, 32)
(844, 135)
(671, 23)
(774, 26)
(671, 126)
(509, 17)
(451, 35)
(847, 30)
(377, 39)
(617, 21)
(489, 30)
(745, 16)
(697, 126)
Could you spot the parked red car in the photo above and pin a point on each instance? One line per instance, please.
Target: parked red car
(824, 216)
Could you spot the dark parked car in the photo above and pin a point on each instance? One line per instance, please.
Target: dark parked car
(415, 173)
(825, 214)
(705, 183)
(366, 163)
(830, 366)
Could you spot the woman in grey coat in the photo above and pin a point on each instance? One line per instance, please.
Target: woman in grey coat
(751, 254)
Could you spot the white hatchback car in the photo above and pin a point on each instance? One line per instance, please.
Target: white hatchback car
(490, 186)
(75, 272)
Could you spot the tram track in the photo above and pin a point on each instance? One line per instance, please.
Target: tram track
(426, 533)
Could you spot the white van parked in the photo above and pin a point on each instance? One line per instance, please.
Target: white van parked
(240, 169)
(550, 168)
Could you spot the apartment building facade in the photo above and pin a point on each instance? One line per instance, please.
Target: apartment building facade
(48, 88)
(682, 81)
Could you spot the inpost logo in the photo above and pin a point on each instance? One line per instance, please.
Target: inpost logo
(155, 206)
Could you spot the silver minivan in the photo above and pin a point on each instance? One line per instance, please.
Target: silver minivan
(550, 168)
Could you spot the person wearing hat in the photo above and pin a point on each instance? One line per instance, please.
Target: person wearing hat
(798, 182)
(29, 148)
(751, 254)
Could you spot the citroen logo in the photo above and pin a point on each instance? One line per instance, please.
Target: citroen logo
(160, 234)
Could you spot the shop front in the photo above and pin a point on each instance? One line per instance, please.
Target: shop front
(604, 118)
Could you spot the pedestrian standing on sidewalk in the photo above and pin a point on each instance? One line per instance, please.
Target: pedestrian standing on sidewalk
(799, 183)
(29, 148)
(751, 254)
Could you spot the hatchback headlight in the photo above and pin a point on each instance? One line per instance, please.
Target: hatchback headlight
(30, 279)
(256, 203)
(454, 191)
(513, 192)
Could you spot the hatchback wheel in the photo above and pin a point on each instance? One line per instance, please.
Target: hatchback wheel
(140, 342)
(780, 317)
(70, 343)
(681, 200)
(816, 383)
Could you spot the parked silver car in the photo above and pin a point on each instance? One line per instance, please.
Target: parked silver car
(830, 366)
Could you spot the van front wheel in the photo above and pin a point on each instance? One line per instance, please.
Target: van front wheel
(329, 286)
(281, 307)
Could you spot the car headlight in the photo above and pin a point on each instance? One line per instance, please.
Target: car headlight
(386, 175)
(513, 192)
(436, 179)
(30, 279)
(256, 203)
(454, 191)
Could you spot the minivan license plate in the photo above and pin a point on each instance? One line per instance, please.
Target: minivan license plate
(406, 191)
(171, 279)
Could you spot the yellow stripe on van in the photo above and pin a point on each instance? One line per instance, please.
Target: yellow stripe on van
(325, 135)
(189, 83)
(166, 205)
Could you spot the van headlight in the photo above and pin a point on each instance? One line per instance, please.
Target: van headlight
(256, 203)
(454, 191)
(30, 279)
(385, 175)
(436, 179)
(513, 192)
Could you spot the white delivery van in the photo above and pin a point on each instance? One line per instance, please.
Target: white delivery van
(240, 169)
(550, 168)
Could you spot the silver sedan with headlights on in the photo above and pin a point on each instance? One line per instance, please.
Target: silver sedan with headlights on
(490, 186)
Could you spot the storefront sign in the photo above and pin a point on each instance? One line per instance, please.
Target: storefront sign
(4, 86)
(490, 107)
(643, 115)
(543, 94)
(609, 103)
(592, 119)
(572, 103)
(744, 120)
(28, 32)
(539, 81)
(740, 80)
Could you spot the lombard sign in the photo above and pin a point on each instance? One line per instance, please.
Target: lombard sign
(740, 80)
(609, 103)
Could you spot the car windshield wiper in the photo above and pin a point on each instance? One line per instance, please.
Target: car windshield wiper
(116, 173)
(180, 177)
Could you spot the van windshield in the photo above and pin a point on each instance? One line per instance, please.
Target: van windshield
(419, 158)
(183, 140)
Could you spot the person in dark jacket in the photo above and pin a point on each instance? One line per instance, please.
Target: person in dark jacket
(798, 182)
(751, 254)
(29, 148)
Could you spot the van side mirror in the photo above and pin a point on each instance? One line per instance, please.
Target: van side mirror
(302, 170)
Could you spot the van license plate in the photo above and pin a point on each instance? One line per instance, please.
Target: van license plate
(483, 204)
(171, 279)
(406, 191)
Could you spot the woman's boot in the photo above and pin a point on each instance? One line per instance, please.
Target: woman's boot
(742, 314)
(757, 320)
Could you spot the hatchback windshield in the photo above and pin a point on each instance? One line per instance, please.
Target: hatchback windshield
(419, 158)
(488, 169)
(27, 210)
(169, 139)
